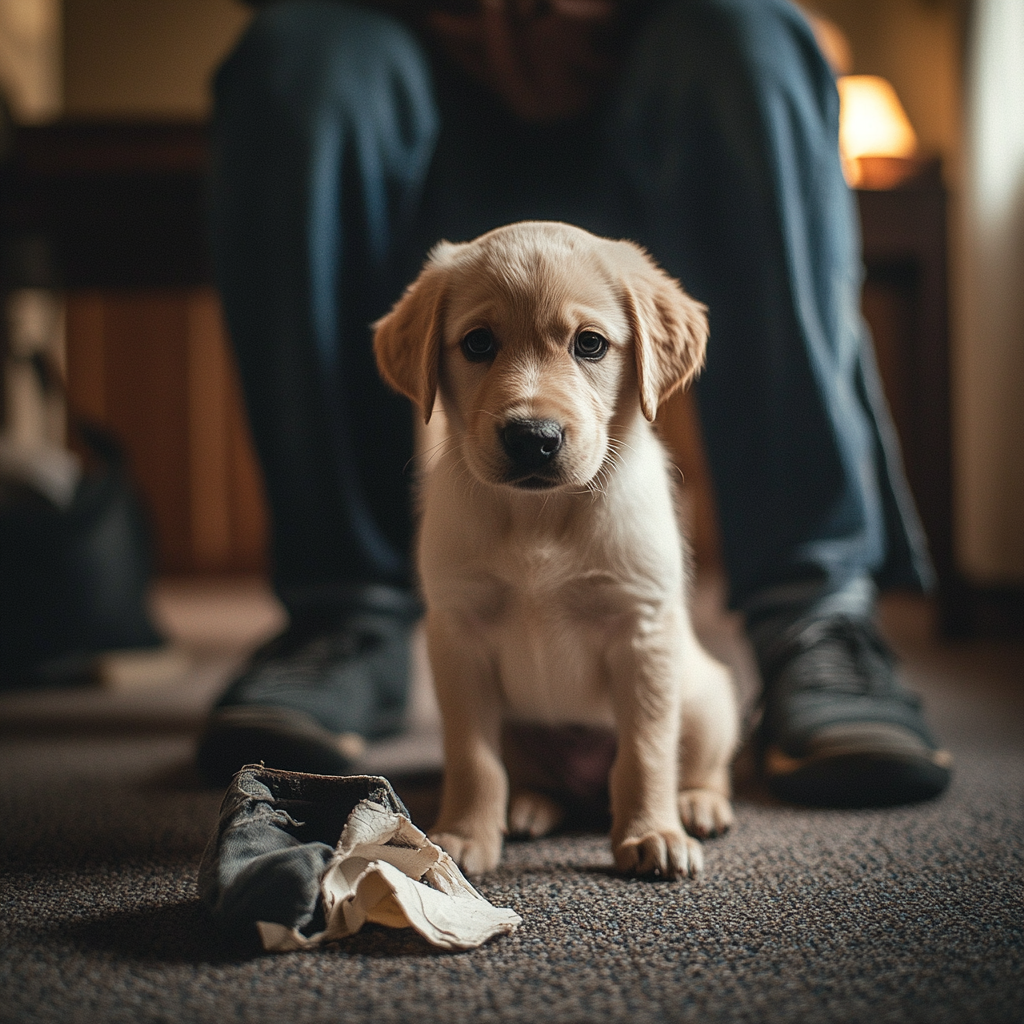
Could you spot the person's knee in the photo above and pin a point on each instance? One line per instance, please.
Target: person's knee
(303, 51)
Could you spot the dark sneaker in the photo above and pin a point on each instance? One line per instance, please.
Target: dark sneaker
(839, 729)
(308, 700)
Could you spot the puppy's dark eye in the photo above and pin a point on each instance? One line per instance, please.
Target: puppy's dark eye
(478, 345)
(590, 345)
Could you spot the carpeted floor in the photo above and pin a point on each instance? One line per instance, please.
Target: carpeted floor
(911, 914)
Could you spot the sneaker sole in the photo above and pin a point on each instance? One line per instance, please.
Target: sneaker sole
(857, 779)
(275, 737)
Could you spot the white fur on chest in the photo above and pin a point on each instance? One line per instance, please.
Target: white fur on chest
(551, 586)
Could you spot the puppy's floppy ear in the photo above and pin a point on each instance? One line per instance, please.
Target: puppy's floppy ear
(407, 341)
(670, 331)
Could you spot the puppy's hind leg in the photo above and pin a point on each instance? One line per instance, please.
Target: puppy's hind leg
(709, 735)
(532, 812)
(533, 815)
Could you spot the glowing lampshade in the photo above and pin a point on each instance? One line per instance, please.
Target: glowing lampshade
(874, 130)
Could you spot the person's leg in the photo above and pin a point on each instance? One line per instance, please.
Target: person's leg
(724, 161)
(324, 126)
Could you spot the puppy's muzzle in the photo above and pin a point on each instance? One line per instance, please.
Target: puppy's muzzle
(532, 448)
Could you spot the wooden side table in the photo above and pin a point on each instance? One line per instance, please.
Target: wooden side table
(905, 302)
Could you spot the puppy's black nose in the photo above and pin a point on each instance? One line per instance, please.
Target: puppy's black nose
(531, 444)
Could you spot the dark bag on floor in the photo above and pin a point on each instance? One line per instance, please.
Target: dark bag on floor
(73, 579)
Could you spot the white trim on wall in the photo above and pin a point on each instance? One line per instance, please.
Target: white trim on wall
(988, 383)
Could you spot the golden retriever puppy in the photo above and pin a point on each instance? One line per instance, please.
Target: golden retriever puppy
(549, 554)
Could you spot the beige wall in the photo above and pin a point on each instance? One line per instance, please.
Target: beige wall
(989, 368)
(145, 58)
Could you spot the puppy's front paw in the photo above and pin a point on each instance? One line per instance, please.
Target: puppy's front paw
(668, 854)
(704, 813)
(533, 814)
(475, 855)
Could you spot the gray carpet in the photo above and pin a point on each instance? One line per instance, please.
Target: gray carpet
(910, 914)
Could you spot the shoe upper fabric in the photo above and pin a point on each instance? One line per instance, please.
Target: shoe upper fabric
(275, 837)
(346, 667)
(828, 672)
(307, 699)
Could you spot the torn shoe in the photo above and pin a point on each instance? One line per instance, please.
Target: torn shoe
(307, 859)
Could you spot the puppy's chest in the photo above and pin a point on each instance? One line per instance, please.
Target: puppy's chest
(549, 622)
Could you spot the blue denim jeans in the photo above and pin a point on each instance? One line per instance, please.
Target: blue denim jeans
(344, 148)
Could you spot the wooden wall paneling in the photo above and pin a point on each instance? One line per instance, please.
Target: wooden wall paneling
(147, 368)
(227, 504)
(154, 366)
(85, 354)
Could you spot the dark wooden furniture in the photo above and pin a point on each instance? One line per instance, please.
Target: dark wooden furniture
(106, 205)
(905, 303)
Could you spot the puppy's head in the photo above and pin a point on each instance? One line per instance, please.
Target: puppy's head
(543, 341)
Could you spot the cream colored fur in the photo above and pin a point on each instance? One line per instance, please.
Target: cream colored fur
(564, 604)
